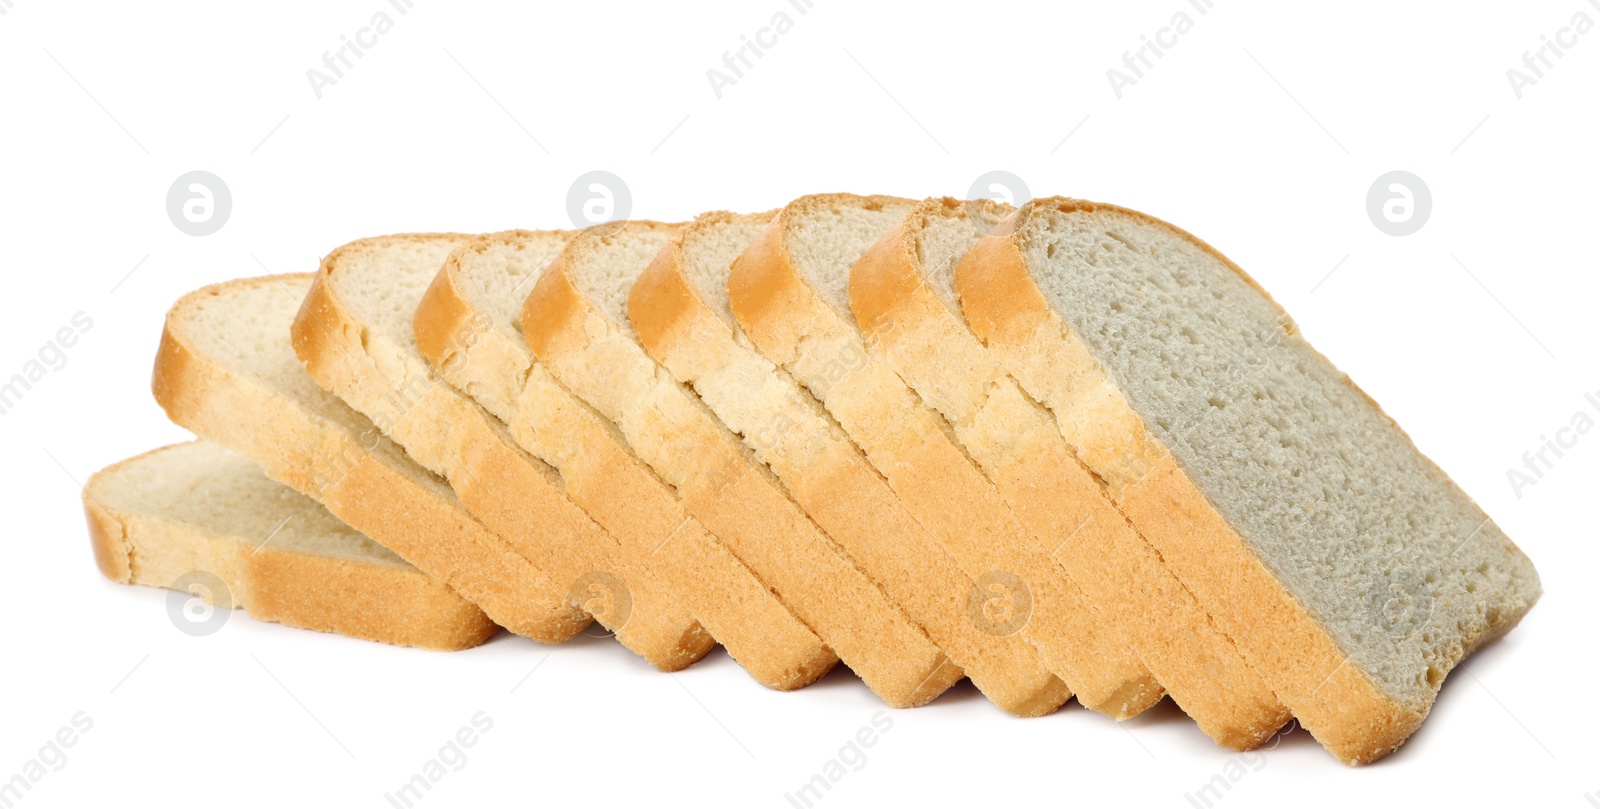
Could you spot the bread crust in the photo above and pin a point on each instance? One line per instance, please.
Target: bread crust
(1339, 704)
(1016, 443)
(370, 601)
(780, 313)
(351, 474)
(829, 478)
(515, 495)
(727, 491)
(603, 477)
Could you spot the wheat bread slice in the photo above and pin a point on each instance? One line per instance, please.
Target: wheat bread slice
(678, 308)
(226, 372)
(197, 511)
(467, 327)
(788, 292)
(902, 295)
(355, 336)
(1350, 570)
(575, 323)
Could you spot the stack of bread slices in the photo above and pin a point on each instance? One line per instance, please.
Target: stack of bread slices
(1062, 450)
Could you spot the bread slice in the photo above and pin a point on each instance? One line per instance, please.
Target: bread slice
(355, 336)
(679, 309)
(788, 291)
(902, 295)
(466, 327)
(575, 322)
(226, 372)
(1351, 571)
(200, 508)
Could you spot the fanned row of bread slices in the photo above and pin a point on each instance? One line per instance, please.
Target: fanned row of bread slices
(1062, 450)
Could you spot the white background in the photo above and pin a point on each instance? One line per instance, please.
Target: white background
(1261, 131)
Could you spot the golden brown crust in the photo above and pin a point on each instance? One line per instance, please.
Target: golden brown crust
(513, 494)
(109, 542)
(1056, 497)
(779, 312)
(829, 478)
(343, 471)
(372, 601)
(602, 476)
(740, 502)
(1343, 708)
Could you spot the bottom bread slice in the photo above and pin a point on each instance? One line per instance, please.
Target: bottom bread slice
(200, 516)
(227, 372)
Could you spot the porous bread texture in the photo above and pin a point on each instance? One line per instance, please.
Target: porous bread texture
(902, 294)
(573, 324)
(1351, 558)
(786, 291)
(825, 473)
(355, 334)
(467, 328)
(200, 508)
(226, 371)
(1267, 428)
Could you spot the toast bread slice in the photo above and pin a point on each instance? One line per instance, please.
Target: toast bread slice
(467, 327)
(157, 518)
(678, 308)
(226, 372)
(575, 323)
(902, 294)
(355, 336)
(1351, 572)
(788, 292)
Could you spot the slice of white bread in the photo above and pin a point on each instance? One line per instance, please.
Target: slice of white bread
(1349, 569)
(678, 309)
(467, 327)
(788, 291)
(355, 337)
(575, 322)
(226, 372)
(903, 297)
(199, 508)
